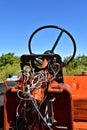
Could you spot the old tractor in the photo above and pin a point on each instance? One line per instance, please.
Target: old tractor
(42, 98)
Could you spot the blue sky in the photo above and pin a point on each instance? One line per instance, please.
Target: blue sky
(19, 18)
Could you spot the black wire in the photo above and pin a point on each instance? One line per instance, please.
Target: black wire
(41, 115)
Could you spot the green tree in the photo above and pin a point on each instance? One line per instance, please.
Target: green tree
(8, 58)
(9, 64)
(76, 67)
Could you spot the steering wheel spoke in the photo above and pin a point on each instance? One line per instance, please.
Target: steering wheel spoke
(56, 42)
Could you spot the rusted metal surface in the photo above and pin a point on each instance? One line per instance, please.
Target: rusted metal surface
(62, 111)
(79, 95)
(80, 125)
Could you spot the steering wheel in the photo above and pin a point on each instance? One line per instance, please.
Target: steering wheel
(56, 42)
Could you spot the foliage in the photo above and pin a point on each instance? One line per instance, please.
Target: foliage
(77, 66)
(9, 64)
(8, 59)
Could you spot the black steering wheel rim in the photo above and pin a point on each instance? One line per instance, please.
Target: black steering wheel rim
(55, 27)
